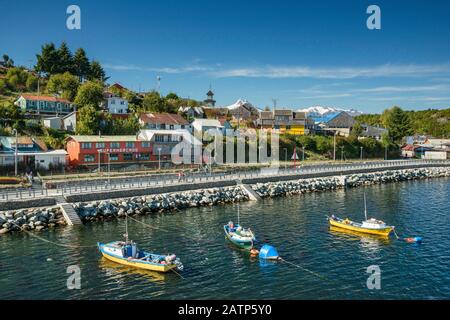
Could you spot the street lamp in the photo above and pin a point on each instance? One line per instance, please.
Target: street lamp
(159, 158)
(109, 168)
(361, 153)
(99, 168)
(15, 152)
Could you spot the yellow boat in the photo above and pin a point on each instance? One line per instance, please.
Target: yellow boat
(127, 253)
(369, 226)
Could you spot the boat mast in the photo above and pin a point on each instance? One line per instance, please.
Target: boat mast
(126, 227)
(238, 214)
(365, 206)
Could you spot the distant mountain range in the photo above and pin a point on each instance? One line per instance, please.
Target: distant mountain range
(322, 111)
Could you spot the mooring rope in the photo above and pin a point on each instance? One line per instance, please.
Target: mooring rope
(304, 269)
(52, 242)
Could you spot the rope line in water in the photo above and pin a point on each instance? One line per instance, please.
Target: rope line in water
(304, 269)
(52, 242)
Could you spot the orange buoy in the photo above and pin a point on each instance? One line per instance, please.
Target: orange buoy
(254, 252)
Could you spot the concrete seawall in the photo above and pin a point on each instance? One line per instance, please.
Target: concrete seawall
(115, 194)
(127, 193)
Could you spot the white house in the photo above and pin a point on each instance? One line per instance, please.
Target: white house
(203, 125)
(117, 105)
(67, 122)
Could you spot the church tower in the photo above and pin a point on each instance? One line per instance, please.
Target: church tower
(210, 102)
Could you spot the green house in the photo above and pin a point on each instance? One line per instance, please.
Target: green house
(44, 104)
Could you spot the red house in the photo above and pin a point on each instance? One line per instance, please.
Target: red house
(90, 150)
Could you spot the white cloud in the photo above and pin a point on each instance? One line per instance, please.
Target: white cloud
(387, 70)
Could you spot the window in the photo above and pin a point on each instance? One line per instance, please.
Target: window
(144, 156)
(114, 157)
(100, 145)
(145, 144)
(86, 145)
(163, 126)
(113, 101)
(115, 145)
(89, 158)
(159, 138)
(129, 145)
(127, 156)
(171, 127)
(182, 126)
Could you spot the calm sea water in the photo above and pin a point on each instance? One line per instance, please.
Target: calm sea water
(332, 264)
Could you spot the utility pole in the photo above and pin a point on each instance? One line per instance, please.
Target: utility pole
(158, 84)
(99, 168)
(361, 153)
(109, 169)
(385, 152)
(285, 158)
(303, 155)
(342, 153)
(159, 158)
(334, 146)
(15, 152)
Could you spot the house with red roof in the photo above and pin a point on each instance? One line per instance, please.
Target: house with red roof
(44, 104)
(163, 121)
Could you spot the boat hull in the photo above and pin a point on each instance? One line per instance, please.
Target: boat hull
(138, 264)
(243, 244)
(379, 232)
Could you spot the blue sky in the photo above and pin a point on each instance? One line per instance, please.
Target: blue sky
(302, 53)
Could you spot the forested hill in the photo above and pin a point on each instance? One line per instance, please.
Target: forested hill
(430, 122)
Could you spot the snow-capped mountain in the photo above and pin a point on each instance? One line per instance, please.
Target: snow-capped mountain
(321, 111)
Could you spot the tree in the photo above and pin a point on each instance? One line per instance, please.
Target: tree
(7, 62)
(89, 93)
(172, 96)
(89, 120)
(3, 87)
(65, 85)
(10, 114)
(48, 59)
(65, 60)
(82, 67)
(96, 72)
(31, 83)
(16, 78)
(153, 102)
(397, 122)
(357, 130)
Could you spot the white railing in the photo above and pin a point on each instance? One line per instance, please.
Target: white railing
(85, 187)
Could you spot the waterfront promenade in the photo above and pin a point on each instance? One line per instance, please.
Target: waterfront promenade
(103, 189)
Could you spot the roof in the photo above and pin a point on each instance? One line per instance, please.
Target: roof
(147, 135)
(96, 138)
(215, 112)
(266, 115)
(163, 118)
(207, 123)
(43, 98)
(59, 152)
(283, 112)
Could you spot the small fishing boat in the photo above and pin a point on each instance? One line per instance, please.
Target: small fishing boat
(369, 226)
(127, 253)
(239, 236)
